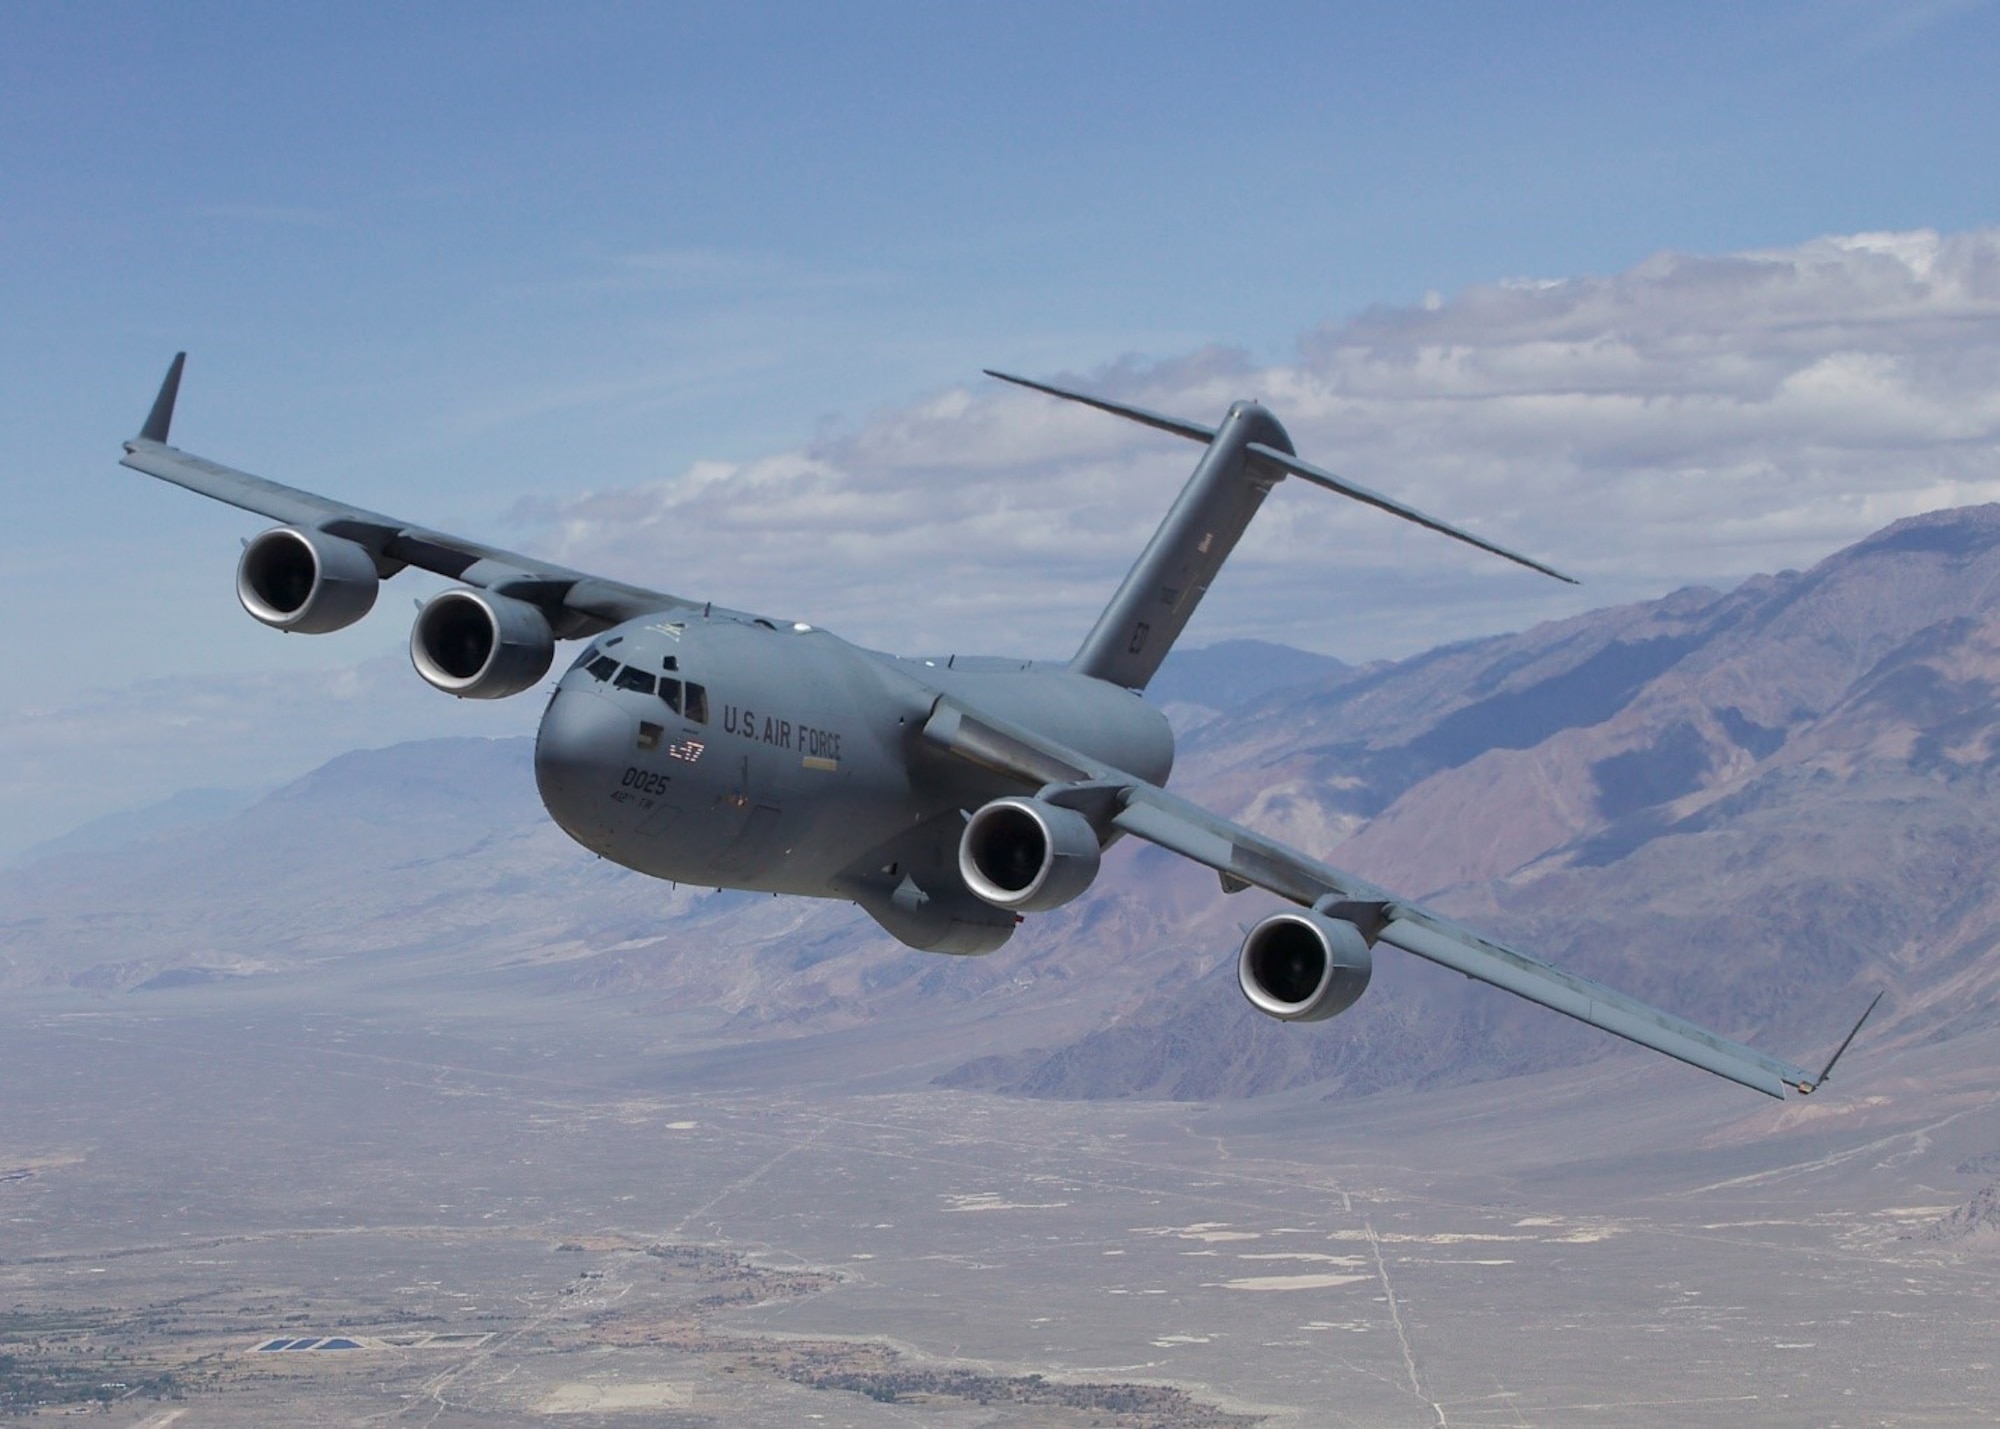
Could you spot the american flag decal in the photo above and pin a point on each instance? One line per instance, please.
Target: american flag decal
(689, 750)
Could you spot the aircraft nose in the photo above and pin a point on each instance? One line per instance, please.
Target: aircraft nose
(583, 742)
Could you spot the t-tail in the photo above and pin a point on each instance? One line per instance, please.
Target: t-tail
(1247, 455)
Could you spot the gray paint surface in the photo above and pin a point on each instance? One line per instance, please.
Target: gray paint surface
(811, 766)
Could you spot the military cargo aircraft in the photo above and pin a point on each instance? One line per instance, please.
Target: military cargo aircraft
(948, 798)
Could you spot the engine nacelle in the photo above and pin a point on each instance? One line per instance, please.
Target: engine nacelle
(306, 581)
(1303, 967)
(1027, 855)
(481, 646)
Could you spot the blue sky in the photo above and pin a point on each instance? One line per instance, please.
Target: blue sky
(470, 263)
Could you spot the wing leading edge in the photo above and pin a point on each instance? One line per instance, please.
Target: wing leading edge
(578, 603)
(1243, 859)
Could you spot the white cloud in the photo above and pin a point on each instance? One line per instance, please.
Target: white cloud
(1696, 418)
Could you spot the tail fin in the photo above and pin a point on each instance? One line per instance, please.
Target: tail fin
(1247, 455)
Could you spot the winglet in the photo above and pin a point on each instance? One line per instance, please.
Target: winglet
(162, 416)
(1824, 1072)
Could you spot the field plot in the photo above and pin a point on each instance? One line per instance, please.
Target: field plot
(262, 1215)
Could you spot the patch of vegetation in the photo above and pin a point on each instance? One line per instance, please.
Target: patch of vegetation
(36, 1382)
(52, 1358)
(1125, 1404)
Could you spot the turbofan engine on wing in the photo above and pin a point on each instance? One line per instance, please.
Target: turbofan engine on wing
(306, 581)
(1027, 855)
(1303, 967)
(481, 646)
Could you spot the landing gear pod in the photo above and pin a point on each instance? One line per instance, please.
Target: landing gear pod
(955, 923)
(481, 646)
(1027, 855)
(305, 580)
(1303, 967)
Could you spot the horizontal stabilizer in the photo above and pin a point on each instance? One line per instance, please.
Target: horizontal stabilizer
(1268, 455)
(1320, 477)
(1193, 431)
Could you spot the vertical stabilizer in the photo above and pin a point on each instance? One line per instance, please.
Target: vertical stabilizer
(1173, 573)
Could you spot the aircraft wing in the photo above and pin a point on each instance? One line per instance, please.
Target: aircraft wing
(589, 603)
(1244, 858)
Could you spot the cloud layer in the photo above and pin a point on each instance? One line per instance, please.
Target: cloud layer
(1692, 420)
(1695, 419)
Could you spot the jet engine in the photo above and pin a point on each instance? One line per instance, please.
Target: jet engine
(306, 581)
(1303, 966)
(481, 646)
(1027, 855)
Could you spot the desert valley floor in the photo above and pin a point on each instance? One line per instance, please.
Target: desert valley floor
(233, 1207)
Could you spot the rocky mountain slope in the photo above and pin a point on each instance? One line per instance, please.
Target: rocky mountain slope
(1754, 807)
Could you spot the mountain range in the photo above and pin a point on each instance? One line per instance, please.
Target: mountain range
(1754, 806)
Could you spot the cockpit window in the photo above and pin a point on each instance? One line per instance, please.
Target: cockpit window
(670, 691)
(631, 679)
(696, 705)
(603, 667)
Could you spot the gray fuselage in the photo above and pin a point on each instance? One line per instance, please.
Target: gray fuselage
(782, 758)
